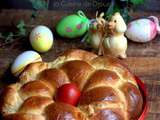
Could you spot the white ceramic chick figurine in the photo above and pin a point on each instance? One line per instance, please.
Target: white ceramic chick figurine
(116, 43)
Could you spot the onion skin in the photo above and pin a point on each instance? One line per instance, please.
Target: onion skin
(142, 30)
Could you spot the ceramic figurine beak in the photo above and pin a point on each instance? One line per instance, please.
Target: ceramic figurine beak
(111, 25)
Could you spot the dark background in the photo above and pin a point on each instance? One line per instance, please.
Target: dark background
(86, 5)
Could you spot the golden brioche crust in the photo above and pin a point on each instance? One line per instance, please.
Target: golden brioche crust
(109, 90)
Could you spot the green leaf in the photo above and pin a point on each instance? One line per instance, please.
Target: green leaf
(21, 28)
(137, 2)
(8, 37)
(125, 14)
(114, 7)
(21, 24)
(22, 32)
(110, 9)
(34, 14)
(39, 4)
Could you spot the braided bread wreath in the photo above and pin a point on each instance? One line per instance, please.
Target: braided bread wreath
(108, 90)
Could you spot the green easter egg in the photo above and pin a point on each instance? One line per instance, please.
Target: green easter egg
(73, 26)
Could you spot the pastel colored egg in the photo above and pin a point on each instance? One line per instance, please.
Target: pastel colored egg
(41, 38)
(73, 26)
(143, 30)
(23, 60)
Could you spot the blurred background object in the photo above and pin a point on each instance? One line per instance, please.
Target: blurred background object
(56, 4)
(70, 5)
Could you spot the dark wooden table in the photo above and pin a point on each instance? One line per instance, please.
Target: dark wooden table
(143, 59)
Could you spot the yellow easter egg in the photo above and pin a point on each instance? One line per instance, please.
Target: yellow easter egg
(41, 38)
